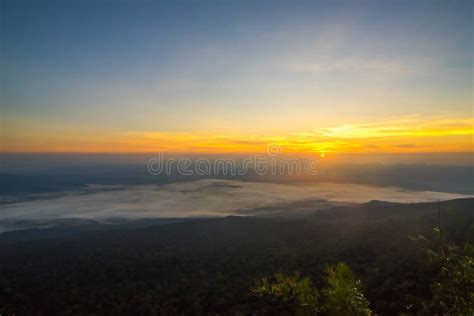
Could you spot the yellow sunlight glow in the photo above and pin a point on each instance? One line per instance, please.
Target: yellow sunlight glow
(399, 135)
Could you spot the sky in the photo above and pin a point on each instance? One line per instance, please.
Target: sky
(233, 76)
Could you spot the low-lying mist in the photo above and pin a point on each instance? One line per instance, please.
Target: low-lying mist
(208, 197)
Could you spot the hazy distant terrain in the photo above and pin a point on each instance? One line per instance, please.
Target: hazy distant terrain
(202, 198)
(22, 175)
(36, 190)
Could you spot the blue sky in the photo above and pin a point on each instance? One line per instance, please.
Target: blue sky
(101, 67)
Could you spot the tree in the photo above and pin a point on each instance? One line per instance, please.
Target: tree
(453, 291)
(284, 294)
(344, 295)
(294, 295)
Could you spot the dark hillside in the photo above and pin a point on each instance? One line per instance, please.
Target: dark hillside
(206, 266)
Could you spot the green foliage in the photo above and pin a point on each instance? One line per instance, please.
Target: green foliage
(296, 296)
(287, 295)
(344, 294)
(453, 290)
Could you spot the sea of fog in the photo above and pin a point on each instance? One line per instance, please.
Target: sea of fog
(205, 198)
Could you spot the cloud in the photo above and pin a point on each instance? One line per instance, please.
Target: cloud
(205, 198)
(351, 65)
(407, 146)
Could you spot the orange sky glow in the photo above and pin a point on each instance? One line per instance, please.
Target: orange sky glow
(398, 135)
